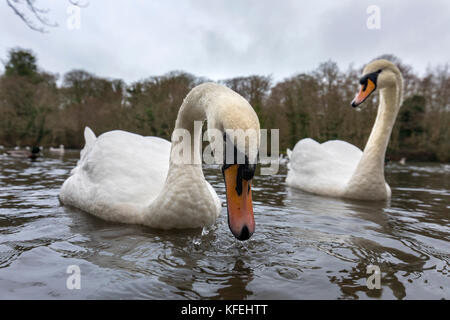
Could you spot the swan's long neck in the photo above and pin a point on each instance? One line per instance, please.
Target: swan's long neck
(189, 124)
(369, 175)
(186, 197)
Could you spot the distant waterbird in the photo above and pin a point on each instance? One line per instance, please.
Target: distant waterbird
(34, 153)
(59, 150)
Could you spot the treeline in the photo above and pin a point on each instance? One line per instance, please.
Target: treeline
(36, 109)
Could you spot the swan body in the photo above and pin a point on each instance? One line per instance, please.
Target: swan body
(316, 167)
(59, 150)
(119, 176)
(339, 169)
(130, 178)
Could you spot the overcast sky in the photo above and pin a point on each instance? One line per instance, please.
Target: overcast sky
(220, 39)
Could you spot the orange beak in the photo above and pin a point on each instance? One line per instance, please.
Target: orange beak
(364, 93)
(239, 203)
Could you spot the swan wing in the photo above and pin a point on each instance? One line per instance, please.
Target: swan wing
(322, 168)
(344, 152)
(117, 170)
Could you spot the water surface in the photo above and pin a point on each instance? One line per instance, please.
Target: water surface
(304, 247)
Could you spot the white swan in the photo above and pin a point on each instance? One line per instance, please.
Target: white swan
(129, 178)
(283, 160)
(59, 150)
(337, 168)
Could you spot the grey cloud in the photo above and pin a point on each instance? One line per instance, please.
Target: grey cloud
(221, 39)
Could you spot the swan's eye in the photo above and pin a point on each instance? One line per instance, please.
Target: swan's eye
(370, 76)
(248, 171)
(363, 80)
(245, 172)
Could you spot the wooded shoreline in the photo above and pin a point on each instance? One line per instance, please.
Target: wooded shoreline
(36, 111)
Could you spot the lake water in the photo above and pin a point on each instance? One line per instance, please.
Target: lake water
(304, 246)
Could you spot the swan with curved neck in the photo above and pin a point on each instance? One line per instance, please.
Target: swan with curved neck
(337, 168)
(129, 178)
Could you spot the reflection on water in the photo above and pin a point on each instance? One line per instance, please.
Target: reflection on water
(304, 247)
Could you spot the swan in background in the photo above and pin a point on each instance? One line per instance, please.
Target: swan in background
(337, 168)
(129, 178)
(34, 153)
(402, 161)
(59, 150)
(283, 160)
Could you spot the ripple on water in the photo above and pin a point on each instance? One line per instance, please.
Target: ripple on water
(304, 246)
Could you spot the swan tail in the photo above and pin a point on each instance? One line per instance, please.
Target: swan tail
(89, 136)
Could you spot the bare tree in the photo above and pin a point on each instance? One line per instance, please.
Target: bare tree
(33, 16)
